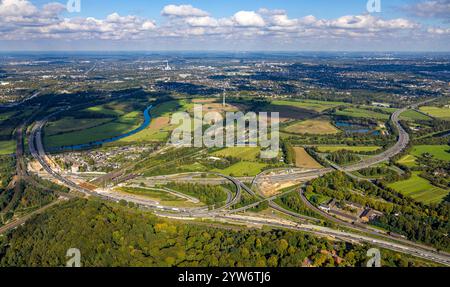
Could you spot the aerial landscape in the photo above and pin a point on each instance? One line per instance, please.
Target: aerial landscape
(183, 135)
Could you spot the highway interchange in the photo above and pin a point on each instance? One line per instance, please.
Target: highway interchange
(225, 214)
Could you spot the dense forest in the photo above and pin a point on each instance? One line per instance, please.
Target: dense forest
(293, 202)
(209, 194)
(110, 235)
(7, 169)
(343, 157)
(288, 151)
(27, 195)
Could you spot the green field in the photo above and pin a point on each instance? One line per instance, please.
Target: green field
(408, 160)
(436, 112)
(334, 148)
(194, 167)
(441, 152)
(317, 106)
(160, 127)
(411, 115)
(362, 113)
(243, 153)
(313, 127)
(162, 197)
(7, 147)
(85, 136)
(71, 124)
(165, 109)
(420, 189)
(243, 168)
(110, 120)
(104, 109)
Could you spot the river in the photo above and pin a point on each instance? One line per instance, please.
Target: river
(144, 125)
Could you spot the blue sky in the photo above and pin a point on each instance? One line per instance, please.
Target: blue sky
(223, 8)
(225, 25)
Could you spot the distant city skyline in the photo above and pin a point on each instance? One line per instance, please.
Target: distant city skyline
(224, 25)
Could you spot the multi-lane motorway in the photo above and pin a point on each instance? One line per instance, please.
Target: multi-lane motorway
(38, 152)
(398, 147)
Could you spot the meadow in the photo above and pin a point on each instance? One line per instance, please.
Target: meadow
(317, 106)
(408, 160)
(94, 123)
(362, 113)
(420, 189)
(160, 128)
(412, 115)
(71, 124)
(334, 148)
(441, 152)
(243, 168)
(436, 112)
(304, 160)
(105, 131)
(313, 127)
(7, 147)
(291, 112)
(242, 153)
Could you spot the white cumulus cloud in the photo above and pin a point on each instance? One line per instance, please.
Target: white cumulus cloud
(182, 11)
(248, 19)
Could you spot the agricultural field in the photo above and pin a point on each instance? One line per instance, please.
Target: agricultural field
(436, 112)
(290, 112)
(317, 106)
(214, 105)
(384, 109)
(420, 189)
(98, 133)
(7, 147)
(71, 124)
(160, 128)
(411, 115)
(242, 153)
(166, 108)
(94, 123)
(441, 152)
(304, 160)
(314, 127)
(334, 148)
(243, 168)
(362, 113)
(408, 160)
